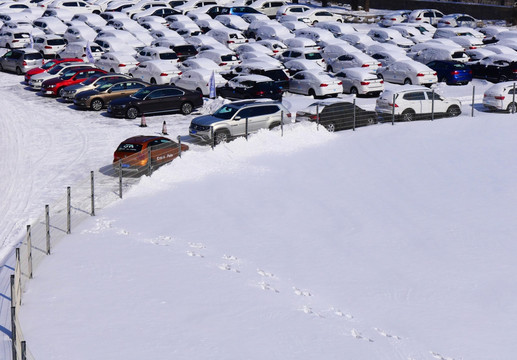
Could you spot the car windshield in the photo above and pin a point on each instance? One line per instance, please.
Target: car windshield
(90, 80)
(225, 112)
(129, 147)
(140, 94)
(229, 58)
(168, 56)
(48, 65)
(55, 69)
(313, 56)
(68, 75)
(56, 42)
(104, 86)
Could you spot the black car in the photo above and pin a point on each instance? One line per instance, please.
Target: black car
(250, 87)
(337, 115)
(156, 99)
(216, 10)
(495, 68)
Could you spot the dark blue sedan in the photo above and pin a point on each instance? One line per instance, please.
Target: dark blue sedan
(451, 72)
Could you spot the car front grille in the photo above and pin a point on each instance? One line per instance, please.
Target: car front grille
(199, 127)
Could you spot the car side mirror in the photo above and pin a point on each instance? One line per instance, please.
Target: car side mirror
(237, 118)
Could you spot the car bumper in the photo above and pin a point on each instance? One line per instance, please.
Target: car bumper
(116, 112)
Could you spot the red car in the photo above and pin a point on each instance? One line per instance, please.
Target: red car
(55, 87)
(133, 154)
(47, 66)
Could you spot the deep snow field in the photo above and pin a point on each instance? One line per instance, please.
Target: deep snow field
(390, 242)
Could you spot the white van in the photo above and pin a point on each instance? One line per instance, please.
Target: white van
(229, 37)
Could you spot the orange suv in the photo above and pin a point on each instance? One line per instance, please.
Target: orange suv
(133, 154)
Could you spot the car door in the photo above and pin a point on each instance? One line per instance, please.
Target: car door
(162, 100)
(162, 151)
(346, 81)
(7, 60)
(296, 82)
(417, 101)
(238, 122)
(438, 106)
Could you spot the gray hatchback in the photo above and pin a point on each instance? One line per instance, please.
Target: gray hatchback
(20, 60)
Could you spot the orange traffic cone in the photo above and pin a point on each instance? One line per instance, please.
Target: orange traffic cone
(142, 122)
(164, 128)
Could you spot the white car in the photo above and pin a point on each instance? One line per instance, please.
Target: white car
(268, 7)
(430, 16)
(302, 43)
(361, 81)
(501, 96)
(157, 53)
(95, 21)
(253, 47)
(297, 54)
(76, 6)
(317, 84)
(78, 50)
(430, 51)
(318, 15)
(156, 72)
(273, 32)
(352, 60)
(394, 17)
(79, 33)
(116, 62)
(294, 66)
(199, 80)
(275, 46)
(336, 27)
(225, 58)
(411, 33)
(319, 35)
(408, 72)
(232, 22)
(415, 102)
(199, 63)
(291, 9)
(13, 39)
(49, 45)
(386, 57)
(229, 37)
(50, 25)
(458, 31)
(141, 6)
(358, 40)
(478, 54)
(454, 20)
(390, 36)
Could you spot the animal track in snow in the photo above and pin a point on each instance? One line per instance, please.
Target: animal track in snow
(359, 336)
(300, 292)
(228, 267)
(308, 310)
(100, 225)
(439, 356)
(162, 240)
(385, 334)
(230, 257)
(196, 245)
(123, 232)
(265, 273)
(340, 313)
(265, 286)
(194, 254)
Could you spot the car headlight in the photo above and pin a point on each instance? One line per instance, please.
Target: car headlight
(83, 98)
(51, 86)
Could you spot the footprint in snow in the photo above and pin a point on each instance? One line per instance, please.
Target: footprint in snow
(265, 286)
(196, 245)
(342, 314)
(308, 310)
(230, 257)
(359, 336)
(162, 240)
(385, 334)
(123, 232)
(439, 356)
(228, 267)
(265, 273)
(301, 292)
(194, 254)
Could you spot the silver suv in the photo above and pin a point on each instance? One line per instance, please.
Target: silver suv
(230, 120)
(21, 60)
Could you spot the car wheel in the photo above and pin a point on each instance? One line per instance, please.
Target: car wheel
(221, 137)
(1, 67)
(407, 81)
(329, 69)
(512, 108)
(331, 127)
(371, 121)
(453, 111)
(132, 113)
(274, 125)
(199, 90)
(312, 93)
(112, 70)
(314, 22)
(354, 91)
(96, 104)
(153, 81)
(408, 115)
(130, 75)
(61, 91)
(186, 108)
(18, 71)
(8, 46)
(503, 78)
(444, 80)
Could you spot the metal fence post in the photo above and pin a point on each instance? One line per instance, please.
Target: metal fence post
(13, 332)
(149, 166)
(317, 117)
(29, 250)
(24, 350)
(353, 125)
(246, 128)
(47, 227)
(473, 94)
(18, 278)
(393, 111)
(282, 123)
(93, 192)
(513, 99)
(212, 136)
(179, 146)
(432, 106)
(120, 178)
(13, 291)
(68, 211)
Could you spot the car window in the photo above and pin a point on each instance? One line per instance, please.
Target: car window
(225, 112)
(432, 95)
(414, 96)
(128, 147)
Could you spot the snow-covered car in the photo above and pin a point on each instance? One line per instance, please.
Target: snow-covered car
(13, 39)
(199, 63)
(361, 81)
(415, 102)
(76, 6)
(317, 84)
(268, 7)
(359, 40)
(430, 16)
(458, 31)
(501, 96)
(225, 58)
(394, 17)
(78, 50)
(79, 33)
(50, 25)
(307, 54)
(430, 50)
(198, 80)
(275, 46)
(156, 71)
(95, 21)
(386, 57)
(454, 20)
(390, 36)
(157, 53)
(116, 62)
(301, 43)
(273, 32)
(254, 48)
(352, 60)
(233, 22)
(408, 72)
(229, 37)
(316, 34)
(294, 66)
(49, 45)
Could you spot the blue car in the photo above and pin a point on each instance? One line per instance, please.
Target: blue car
(451, 72)
(239, 10)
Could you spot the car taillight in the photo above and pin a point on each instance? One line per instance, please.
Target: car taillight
(223, 64)
(393, 105)
(313, 117)
(365, 83)
(284, 13)
(121, 65)
(83, 55)
(164, 74)
(288, 115)
(418, 19)
(393, 19)
(379, 64)
(275, 51)
(470, 72)
(259, 93)
(435, 74)
(231, 42)
(48, 47)
(455, 72)
(420, 74)
(514, 71)
(181, 72)
(365, 65)
(340, 83)
(447, 22)
(324, 85)
(15, 41)
(382, 81)
(499, 97)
